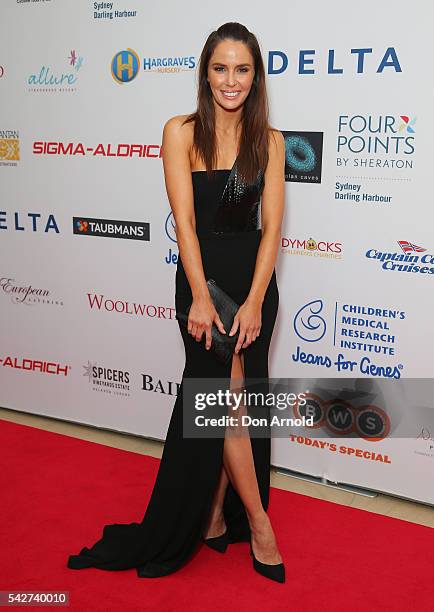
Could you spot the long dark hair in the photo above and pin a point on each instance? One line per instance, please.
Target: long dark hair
(253, 149)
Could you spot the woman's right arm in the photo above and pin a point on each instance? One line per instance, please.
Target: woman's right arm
(177, 176)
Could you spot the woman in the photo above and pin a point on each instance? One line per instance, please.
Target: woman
(215, 489)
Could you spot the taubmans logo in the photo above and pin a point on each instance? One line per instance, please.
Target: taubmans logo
(343, 418)
(111, 228)
(404, 262)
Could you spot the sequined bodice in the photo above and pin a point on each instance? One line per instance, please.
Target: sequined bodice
(225, 203)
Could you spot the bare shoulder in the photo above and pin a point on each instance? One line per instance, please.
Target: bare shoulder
(178, 132)
(276, 143)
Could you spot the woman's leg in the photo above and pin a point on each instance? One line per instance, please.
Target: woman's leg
(238, 466)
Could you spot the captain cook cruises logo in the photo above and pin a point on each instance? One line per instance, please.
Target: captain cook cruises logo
(407, 261)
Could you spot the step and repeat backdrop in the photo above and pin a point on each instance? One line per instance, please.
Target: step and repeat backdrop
(88, 248)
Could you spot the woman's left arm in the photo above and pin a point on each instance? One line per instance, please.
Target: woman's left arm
(272, 208)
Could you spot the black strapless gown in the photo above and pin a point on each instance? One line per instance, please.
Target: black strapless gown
(228, 227)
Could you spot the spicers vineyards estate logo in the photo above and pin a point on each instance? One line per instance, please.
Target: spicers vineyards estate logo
(9, 147)
(312, 248)
(108, 380)
(125, 65)
(407, 261)
(48, 80)
(41, 147)
(383, 142)
(368, 332)
(303, 156)
(363, 60)
(26, 294)
(111, 228)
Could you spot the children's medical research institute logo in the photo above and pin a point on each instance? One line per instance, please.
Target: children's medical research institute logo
(125, 66)
(303, 156)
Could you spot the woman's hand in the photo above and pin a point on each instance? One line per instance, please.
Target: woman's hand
(201, 316)
(249, 319)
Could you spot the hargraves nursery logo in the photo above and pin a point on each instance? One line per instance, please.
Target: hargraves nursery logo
(125, 65)
(383, 142)
(303, 156)
(111, 228)
(48, 80)
(9, 147)
(406, 261)
(169, 64)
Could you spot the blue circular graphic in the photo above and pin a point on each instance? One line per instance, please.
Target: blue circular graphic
(125, 66)
(300, 154)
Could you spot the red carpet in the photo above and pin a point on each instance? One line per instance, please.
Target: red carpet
(58, 492)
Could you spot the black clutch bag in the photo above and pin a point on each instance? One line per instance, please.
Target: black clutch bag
(223, 345)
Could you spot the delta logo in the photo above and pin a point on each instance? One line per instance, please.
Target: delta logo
(310, 247)
(405, 260)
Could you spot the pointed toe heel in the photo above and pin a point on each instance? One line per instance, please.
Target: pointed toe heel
(273, 572)
(220, 543)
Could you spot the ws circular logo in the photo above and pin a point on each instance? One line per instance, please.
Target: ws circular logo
(125, 66)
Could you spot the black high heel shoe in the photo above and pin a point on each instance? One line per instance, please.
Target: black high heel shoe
(274, 572)
(220, 543)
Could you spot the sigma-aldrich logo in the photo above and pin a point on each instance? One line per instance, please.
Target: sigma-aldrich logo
(110, 228)
(125, 65)
(303, 156)
(406, 261)
(360, 60)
